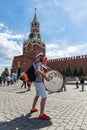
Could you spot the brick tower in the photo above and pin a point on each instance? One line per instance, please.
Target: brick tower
(31, 47)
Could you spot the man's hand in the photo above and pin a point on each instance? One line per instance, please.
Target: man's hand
(46, 78)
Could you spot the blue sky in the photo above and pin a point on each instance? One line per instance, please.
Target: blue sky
(63, 27)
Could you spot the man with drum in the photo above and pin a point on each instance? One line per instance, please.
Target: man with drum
(40, 87)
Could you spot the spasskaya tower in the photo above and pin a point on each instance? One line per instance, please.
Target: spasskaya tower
(31, 47)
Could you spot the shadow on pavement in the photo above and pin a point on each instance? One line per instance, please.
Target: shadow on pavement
(54, 92)
(22, 91)
(81, 91)
(25, 123)
(50, 92)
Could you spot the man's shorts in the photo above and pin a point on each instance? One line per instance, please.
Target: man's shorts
(40, 89)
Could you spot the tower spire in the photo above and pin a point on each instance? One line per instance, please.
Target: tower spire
(35, 36)
(35, 16)
(35, 9)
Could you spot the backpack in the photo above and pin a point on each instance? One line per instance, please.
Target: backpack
(21, 78)
(31, 73)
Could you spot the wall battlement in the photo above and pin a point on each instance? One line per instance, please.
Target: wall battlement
(74, 61)
(68, 58)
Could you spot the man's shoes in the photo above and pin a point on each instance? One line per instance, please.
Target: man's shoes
(44, 117)
(33, 110)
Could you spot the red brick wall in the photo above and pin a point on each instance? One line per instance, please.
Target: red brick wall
(72, 61)
(25, 62)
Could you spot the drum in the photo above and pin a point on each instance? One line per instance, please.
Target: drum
(55, 82)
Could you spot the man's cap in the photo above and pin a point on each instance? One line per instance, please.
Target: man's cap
(40, 54)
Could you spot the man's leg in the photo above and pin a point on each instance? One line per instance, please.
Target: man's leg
(42, 114)
(22, 84)
(42, 106)
(29, 85)
(64, 88)
(35, 101)
(77, 85)
(82, 87)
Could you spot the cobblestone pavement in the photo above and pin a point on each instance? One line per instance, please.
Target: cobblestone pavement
(68, 110)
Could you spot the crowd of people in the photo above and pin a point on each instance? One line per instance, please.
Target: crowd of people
(10, 80)
(7, 80)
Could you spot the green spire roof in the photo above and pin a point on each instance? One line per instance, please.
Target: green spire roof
(35, 17)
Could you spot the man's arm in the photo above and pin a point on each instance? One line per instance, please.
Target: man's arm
(42, 73)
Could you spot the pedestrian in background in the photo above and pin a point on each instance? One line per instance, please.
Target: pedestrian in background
(77, 82)
(82, 82)
(23, 80)
(64, 83)
(8, 80)
(1, 80)
(4, 80)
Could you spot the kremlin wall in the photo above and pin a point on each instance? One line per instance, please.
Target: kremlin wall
(34, 45)
(75, 61)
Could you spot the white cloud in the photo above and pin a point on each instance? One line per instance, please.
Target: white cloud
(51, 46)
(54, 51)
(5, 29)
(71, 49)
(1, 25)
(10, 36)
(9, 47)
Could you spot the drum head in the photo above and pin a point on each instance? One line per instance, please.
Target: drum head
(56, 81)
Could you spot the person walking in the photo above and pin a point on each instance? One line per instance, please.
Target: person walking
(8, 80)
(0, 80)
(82, 83)
(4, 80)
(40, 87)
(77, 82)
(25, 81)
(22, 78)
(64, 82)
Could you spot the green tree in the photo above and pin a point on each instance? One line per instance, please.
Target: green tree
(75, 73)
(81, 72)
(63, 71)
(68, 71)
(6, 72)
(59, 69)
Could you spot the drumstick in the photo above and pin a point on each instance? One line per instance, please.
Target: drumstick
(48, 68)
(45, 61)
